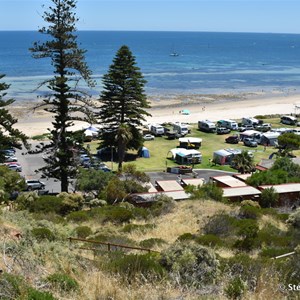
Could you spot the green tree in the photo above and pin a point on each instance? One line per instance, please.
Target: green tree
(65, 100)
(123, 103)
(268, 197)
(14, 138)
(243, 162)
(288, 142)
(89, 180)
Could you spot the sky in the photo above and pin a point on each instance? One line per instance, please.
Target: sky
(275, 16)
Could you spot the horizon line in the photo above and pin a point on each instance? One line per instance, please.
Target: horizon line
(147, 30)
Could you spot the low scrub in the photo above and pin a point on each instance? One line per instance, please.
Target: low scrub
(134, 267)
(150, 243)
(190, 264)
(210, 240)
(128, 228)
(42, 233)
(83, 231)
(63, 282)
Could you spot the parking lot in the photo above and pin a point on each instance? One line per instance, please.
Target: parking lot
(32, 162)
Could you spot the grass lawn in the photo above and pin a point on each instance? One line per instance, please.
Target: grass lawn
(211, 142)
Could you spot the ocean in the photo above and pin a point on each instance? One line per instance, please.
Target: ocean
(207, 62)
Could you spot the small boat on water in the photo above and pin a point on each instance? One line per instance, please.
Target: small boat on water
(174, 53)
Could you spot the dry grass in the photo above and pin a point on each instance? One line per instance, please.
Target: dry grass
(188, 217)
(266, 219)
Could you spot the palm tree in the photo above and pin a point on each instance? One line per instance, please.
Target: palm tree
(123, 137)
(243, 162)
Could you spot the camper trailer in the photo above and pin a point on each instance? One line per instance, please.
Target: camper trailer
(230, 124)
(157, 130)
(288, 120)
(250, 121)
(207, 126)
(181, 128)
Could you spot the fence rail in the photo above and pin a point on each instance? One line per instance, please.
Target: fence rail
(109, 245)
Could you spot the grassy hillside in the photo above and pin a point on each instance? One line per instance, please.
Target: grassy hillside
(43, 258)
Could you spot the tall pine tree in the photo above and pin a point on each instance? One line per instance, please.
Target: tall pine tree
(9, 136)
(123, 104)
(65, 100)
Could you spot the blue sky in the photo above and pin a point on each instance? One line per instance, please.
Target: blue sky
(184, 15)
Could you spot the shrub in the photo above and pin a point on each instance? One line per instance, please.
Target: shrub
(46, 204)
(51, 217)
(235, 288)
(83, 231)
(250, 203)
(249, 212)
(273, 252)
(112, 213)
(114, 239)
(132, 266)
(206, 191)
(162, 205)
(37, 295)
(11, 286)
(209, 240)
(78, 216)
(26, 200)
(150, 243)
(70, 202)
(128, 228)
(248, 229)
(294, 219)
(220, 224)
(186, 237)
(42, 233)
(63, 282)
(190, 264)
(268, 197)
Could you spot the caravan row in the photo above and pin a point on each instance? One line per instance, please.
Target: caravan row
(179, 130)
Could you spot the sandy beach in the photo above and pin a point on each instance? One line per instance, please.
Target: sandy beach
(167, 109)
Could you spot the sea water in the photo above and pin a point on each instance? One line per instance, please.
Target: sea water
(207, 62)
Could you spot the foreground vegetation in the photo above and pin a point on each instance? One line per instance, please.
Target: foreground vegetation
(205, 249)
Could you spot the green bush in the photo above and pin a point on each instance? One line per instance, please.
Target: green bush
(248, 230)
(26, 200)
(114, 239)
(220, 224)
(210, 240)
(42, 233)
(206, 191)
(46, 204)
(34, 294)
(51, 217)
(78, 216)
(268, 198)
(249, 212)
(63, 282)
(273, 252)
(83, 231)
(112, 213)
(150, 243)
(191, 264)
(11, 286)
(235, 288)
(186, 237)
(294, 219)
(128, 228)
(132, 266)
(162, 205)
(70, 202)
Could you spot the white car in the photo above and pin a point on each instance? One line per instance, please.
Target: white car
(148, 137)
(34, 184)
(15, 167)
(10, 158)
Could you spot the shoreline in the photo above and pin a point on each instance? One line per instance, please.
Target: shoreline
(167, 109)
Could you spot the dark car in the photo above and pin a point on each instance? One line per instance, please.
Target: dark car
(250, 142)
(223, 130)
(233, 139)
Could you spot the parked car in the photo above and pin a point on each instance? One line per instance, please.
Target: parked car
(250, 142)
(245, 127)
(223, 130)
(264, 127)
(233, 139)
(148, 137)
(34, 184)
(10, 158)
(15, 167)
